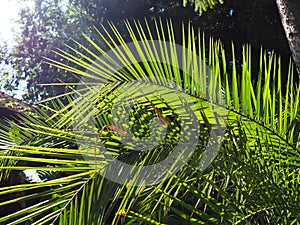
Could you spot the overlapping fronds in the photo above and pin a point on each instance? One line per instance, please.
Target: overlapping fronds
(253, 179)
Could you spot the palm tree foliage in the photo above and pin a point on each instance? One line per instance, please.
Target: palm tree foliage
(202, 5)
(254, 179)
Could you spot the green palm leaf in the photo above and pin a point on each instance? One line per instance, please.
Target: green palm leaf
(202, 5)
(253, 179)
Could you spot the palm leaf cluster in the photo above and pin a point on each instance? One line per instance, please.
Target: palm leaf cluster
(202, 5)
(252, 179)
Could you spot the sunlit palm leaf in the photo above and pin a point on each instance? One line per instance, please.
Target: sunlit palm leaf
(253, 180)
(202, 5)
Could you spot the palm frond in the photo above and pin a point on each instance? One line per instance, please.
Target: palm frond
(253, 179)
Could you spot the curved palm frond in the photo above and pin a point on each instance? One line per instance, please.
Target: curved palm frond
(253, 179)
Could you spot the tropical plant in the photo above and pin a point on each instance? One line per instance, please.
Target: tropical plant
(50, 25)
(202, 5)
(254, 178)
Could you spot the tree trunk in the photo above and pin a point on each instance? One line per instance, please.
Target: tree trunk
(289, 12)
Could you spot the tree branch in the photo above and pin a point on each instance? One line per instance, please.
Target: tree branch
(289, 11)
